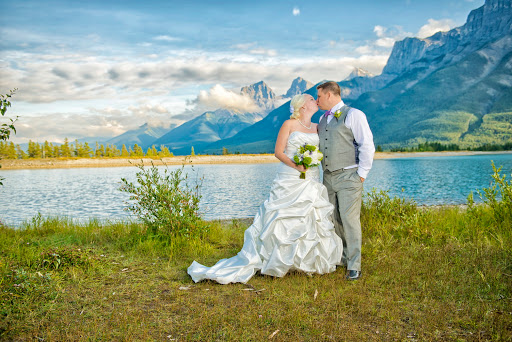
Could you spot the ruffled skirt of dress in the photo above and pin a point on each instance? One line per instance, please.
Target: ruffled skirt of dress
(291, 231)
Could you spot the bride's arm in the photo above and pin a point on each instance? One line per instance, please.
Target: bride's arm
(282, 139)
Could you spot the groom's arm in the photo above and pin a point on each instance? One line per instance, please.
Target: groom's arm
(357, 122)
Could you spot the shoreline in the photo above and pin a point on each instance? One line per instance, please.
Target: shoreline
(51, 163)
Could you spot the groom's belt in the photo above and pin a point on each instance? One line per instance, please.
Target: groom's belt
(343, 169)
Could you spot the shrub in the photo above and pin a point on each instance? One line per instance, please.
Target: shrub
(165, 202)
(498, 197)
(379, 205)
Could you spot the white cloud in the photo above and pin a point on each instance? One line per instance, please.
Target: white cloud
(386, 42)
(253, 49)
(78, 95)
(433, 26)
(363, 50)
(245, 46)
(55, 127)
(166, 38)
(296, 11)
(82, 78)
(219, 97)
(265, 52)
(380, 31)
(96, 122)
(386, 38)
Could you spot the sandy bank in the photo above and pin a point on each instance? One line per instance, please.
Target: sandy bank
(113, 162)
(9, 164)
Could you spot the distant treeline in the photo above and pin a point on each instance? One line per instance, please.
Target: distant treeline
(437, 146)
(8, 150)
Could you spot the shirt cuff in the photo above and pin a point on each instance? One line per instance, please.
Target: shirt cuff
(362, 172)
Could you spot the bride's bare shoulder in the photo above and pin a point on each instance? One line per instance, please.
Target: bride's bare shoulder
(288, 124)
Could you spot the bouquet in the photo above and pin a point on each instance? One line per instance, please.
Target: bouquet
(307, 155)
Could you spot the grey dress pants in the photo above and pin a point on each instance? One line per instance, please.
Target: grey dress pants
(345, 193)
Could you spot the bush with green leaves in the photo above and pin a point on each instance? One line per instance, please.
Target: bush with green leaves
(166, 201)
(6, 128)
(498, 197)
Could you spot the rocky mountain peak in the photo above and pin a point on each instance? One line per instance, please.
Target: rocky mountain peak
(262, 95)
(358, 72)
(492, 19)
(484, 24)
(299, 85)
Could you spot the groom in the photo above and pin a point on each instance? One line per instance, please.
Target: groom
(347, 144)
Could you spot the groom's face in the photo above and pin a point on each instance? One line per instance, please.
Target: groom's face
(322, 99)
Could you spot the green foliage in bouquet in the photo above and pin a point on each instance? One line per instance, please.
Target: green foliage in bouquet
(307, 155)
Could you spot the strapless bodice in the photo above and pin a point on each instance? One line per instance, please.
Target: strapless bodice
(297, 139)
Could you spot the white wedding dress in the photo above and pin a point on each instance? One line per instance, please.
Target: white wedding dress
(291, 231)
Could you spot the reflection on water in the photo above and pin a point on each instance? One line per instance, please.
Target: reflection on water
(232, 190)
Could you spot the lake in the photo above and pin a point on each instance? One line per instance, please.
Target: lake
(233, 190)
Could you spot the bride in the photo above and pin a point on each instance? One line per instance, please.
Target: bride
(292, 229)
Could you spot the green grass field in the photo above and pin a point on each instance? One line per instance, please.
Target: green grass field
(432, 274)
(429, 274)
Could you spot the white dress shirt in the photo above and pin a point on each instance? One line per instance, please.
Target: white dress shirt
(356, 121)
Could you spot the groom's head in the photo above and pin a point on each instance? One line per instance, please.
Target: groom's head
(329, 95)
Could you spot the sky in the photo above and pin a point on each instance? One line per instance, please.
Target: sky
(99, 68)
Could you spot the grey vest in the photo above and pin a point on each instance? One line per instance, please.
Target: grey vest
(337, 142)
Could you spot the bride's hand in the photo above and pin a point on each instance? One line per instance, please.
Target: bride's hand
(300, 168)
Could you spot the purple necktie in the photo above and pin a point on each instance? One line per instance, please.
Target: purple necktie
(327, 113)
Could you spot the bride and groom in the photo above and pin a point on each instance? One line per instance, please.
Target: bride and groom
(303, 224)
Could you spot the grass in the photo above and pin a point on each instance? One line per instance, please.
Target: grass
(432, 274)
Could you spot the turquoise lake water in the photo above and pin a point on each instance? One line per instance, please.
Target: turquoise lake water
(233, 190)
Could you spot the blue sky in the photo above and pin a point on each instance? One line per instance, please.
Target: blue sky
(99, 68)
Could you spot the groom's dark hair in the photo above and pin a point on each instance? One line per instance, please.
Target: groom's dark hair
(330, 86)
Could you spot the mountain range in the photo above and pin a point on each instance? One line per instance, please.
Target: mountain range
(452, 87)
(143, 136)
(210, 126)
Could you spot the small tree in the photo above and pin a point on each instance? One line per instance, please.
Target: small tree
(124, 151)
(11, 151)
(6, 128)
(137, 151)
(34, 150)
(56, 151)
(115, 151)
(48, 150)
(192, 153)
(85, 151)
(164, 152)
(65, 149)
(166, 203)
(225, 151)
(149, 152)
(97, 151)
(21, 154)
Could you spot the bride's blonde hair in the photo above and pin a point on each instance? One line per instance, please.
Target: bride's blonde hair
(295, 104)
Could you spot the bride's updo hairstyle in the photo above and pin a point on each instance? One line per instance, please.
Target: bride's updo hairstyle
(295, 104)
